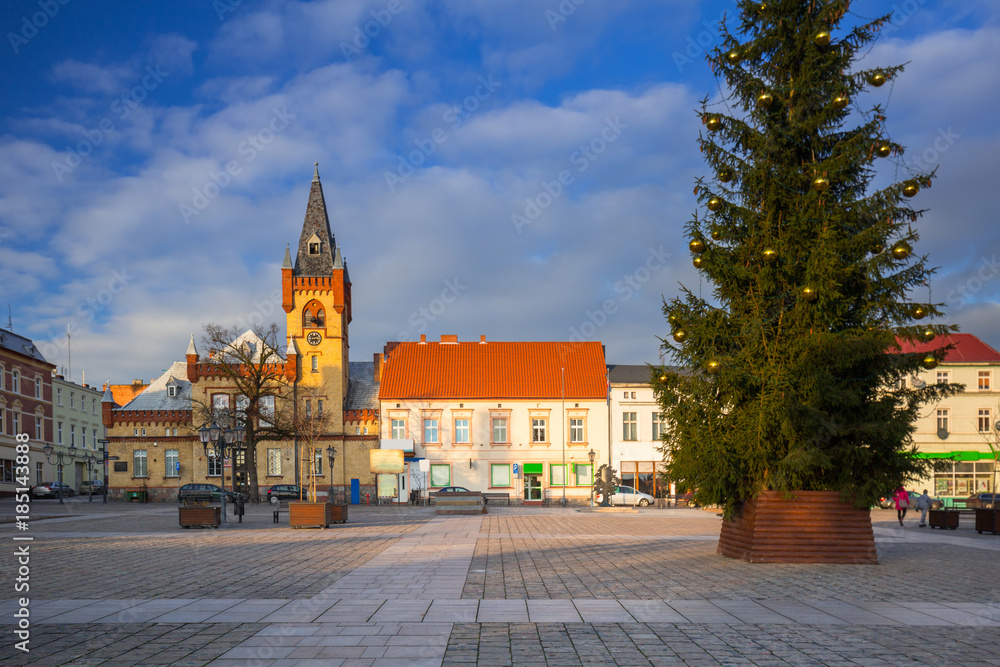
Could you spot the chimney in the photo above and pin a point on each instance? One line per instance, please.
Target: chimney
(482, 339)
(378, 367)
(423, 339)
(452, 338)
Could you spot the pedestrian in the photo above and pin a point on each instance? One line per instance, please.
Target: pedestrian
(902, 499)
(923, 504)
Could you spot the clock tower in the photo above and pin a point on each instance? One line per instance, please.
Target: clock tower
(316, 295)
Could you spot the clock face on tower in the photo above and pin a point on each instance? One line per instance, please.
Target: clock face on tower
(314, 338)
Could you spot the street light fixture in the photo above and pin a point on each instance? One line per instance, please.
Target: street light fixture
(591, 455)
(219, 442)
(59, 462)
(331, 454)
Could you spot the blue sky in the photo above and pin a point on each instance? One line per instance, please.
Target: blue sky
(120, 221)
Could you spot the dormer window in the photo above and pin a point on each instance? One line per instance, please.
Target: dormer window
(315, 245)
(172, 391)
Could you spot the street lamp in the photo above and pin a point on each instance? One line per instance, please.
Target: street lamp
(590, 454)
(59, 462)
(90, 458)
(104, 468)
(219, 442)
(331, 453)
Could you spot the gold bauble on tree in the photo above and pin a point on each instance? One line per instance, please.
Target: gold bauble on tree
(918, 313)
(713, 367)
(841, 101)
(769, 256)
(714, 204)
(697, 246)
(884, 149)
(716, 233)
(877, 79)
(929, 362)
(680, 335)
(928, 335)
(808, 294)
(734, 56)
(877, 248)
(725, 175)
(822, 38)
(674, 318)
(713, 123)
(820, 184)
(910, 188)
(901, 250)
(698, 262)
(764, 100)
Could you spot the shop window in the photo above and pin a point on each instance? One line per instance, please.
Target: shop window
(440, 474)
(584, 474)
(557, 474)
(500, 475)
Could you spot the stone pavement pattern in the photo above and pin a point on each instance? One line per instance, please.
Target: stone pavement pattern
(519, 586)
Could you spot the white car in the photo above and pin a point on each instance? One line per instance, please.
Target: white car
(626, 495)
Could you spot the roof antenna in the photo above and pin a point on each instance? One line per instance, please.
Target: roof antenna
(10, 321)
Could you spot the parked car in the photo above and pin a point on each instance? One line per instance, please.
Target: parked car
(193, 491)
(280, 492)
(97, 484)
(626, 495)
(456, 489)
(51, 490)
(982, 500)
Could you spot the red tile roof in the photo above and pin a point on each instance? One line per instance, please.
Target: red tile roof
(123, 393)
(480, 370)
(968, 349)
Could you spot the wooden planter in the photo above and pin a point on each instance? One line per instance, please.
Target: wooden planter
(302, 514)
(338, 513)
(208, 517)
(987, 520)
(810, 527)
(942, 519)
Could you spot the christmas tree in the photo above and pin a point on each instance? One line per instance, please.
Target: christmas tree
(793, 366)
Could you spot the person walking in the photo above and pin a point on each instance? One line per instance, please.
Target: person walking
(902, 499)
(923, 504)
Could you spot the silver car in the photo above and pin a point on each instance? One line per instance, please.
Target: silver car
(626, 495)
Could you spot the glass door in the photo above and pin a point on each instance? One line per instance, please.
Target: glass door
(532, 487)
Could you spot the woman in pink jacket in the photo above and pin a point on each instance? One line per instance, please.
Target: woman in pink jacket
(902, 499)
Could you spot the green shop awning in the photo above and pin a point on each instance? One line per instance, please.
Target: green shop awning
(955, 456)
(533, 468)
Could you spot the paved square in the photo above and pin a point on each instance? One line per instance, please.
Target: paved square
(122, 584)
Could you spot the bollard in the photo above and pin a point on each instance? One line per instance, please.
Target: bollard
(238, 507)
(368, 499)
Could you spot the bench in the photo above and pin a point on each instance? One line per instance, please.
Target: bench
(496, 496)
(277, 510)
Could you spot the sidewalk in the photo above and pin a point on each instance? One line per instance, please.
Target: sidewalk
(124, 584)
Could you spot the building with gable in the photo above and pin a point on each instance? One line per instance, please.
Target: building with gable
(499, 417)
(25, 408)
(154, 435)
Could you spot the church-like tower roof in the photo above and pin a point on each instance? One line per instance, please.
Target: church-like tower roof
(316, 228)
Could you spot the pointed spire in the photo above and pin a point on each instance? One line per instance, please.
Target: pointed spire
(287, 264)
(316, 243)
(292, 348)
(347, 275)
(338, 261)
(191, 348)
(108, 397)
(316, 173)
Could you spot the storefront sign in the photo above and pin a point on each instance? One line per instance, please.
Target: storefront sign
(386, 460)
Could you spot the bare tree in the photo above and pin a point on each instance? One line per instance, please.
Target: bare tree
(311, 424)
(253, 364)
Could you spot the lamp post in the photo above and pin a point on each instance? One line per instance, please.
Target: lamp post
(220, 441)
(590, 455)
(104, 468)
(331, 454)
(90, 458)
(59, 462)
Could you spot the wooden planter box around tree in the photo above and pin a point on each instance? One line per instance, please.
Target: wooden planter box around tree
(987, 520)
(303, 514)
(338, 513)
(809, 527)
(942, 519)
(208, 517)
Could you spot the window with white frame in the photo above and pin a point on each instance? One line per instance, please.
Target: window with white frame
(83, 436)
(398, 429)
(274, 462)
(319, 407)
(500, 430)
(630, 426)
(942, 420)
(538, 430)
(318, 463)
(38, 428)
(58, 395)
(315, 364)
(93, 406)
(214, 466)
(38, 387)
(3, 418)
(93, 438)
(220, 405)
(72, 399)
(39, 472)
(984, 420)
(943, 377)
(309, 409)
(171, 458)
(499, 474)
(462, 430)
(266, 405)
(139, 463)
(431, 430)
(58, 433)
(576, 429)
(984, 380)
(658, 425)
(440, 474)
(15, 381)
(16, 420)
(557, 474)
